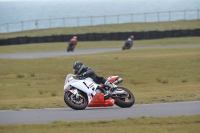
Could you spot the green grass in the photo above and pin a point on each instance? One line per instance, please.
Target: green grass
(153, 75)
(160, 26)
(182, 124)
(97, 44)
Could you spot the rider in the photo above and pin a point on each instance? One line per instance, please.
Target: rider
(73, 41)
(82, 71)
(129, 42)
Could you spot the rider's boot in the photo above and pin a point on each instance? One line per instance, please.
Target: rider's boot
(112, 87)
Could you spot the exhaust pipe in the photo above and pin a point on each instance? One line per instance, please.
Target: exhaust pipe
(119, 80)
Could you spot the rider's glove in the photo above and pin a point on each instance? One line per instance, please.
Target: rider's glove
(83, 74)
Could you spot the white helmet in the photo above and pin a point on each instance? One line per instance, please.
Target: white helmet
(74, 37)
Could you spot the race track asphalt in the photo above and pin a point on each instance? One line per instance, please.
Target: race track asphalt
(39, 116)
(86, 51)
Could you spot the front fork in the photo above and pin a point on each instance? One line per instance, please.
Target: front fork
(75, 92)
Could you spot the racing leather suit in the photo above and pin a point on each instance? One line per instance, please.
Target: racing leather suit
(72, 42)
(129, 43)
(88, 72)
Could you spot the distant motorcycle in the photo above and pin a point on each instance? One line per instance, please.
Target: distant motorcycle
(129, 43)
(125, 47)
(70, 47)
(82, 93)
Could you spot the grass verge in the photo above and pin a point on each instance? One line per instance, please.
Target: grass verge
(182, 124)
(153, 75)
(127, 27)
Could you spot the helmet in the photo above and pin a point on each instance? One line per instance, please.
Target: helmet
(77, 67)
(132, 37)
(75, 37)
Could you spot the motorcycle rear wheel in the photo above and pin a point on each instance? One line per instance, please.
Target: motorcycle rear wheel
(81, 103)
(125, 102)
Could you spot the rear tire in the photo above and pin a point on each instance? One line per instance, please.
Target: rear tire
(125, 102)
(76, 104)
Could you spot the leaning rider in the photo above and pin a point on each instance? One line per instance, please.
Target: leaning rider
(73, 41)
(85, 72)
(129, 42)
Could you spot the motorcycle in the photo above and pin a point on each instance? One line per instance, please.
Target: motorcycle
(82, 93)
(70, 47)
(125, 47)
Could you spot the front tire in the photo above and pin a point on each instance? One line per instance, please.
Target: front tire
(125, 102)
(76, 103)
(68, 49)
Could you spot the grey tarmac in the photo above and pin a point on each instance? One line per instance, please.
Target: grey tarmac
(85, 51)
(41, 116)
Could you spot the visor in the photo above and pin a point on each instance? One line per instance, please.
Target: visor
(75, 71)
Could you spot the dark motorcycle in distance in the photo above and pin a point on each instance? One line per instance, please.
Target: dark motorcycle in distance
(125, 47)
(128, 44)
(70, 47)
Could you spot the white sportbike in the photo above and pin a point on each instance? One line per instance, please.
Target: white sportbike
(82, 93)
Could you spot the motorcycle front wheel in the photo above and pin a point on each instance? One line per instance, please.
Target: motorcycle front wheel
(79, 103)
(125, 100)
(68, 49)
